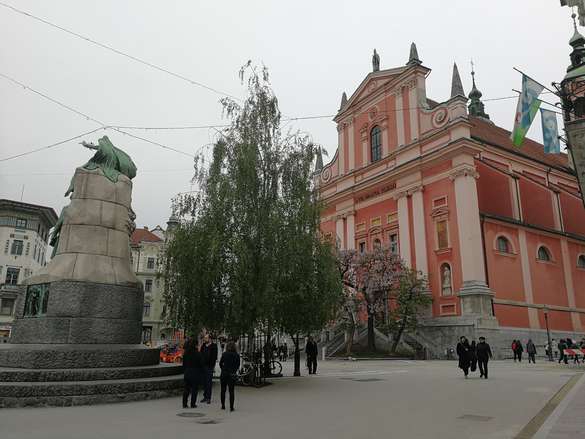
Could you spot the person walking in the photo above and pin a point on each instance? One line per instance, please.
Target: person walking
(285, 351)
(312, 352)
(229, 365)
(472, 357)
(209, 352)
(514, 351)
(531, 351)
(463, 349)
(193, 372)
(484, 353)
(561, 347)
(519, 350)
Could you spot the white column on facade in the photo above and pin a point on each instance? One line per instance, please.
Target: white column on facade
(339, 231)
(404, 228)
(567, 264)
(527, 280)
(419, 231)
(351, 148)
(385, 146)
(350, 224)
(474, 293)
(470, 242)
(400, 119)
(413, 111)
(556, 208)
(514, 198)
(341, 149)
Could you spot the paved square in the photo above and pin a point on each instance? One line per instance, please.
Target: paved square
(365, 399)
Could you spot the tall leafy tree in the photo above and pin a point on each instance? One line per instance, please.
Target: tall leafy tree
(371, 275)
(409, 296)
(256, 216)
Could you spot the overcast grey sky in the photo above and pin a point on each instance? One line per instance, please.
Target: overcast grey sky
(314, 49)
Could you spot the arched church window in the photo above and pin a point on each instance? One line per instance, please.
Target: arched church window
(446, 281)
(377, 244)
(503, 245)
(581, 261)
(376, 143)
(543, 254)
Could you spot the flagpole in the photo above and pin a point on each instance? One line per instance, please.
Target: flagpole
(544, 102)
(532, 79)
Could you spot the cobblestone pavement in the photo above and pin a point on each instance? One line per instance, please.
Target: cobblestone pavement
(357, 400)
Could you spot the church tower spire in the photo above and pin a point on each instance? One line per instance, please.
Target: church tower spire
(456, 85)
(413, 58)
(476, 107)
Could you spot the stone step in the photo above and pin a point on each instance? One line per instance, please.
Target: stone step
(87, 388)
(74, 400)
(111, 373)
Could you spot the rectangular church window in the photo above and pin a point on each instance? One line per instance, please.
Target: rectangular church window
(442, 235)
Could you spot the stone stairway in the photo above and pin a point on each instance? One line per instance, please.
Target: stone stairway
(68, 387)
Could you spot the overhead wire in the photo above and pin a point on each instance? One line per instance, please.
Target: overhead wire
(51, 145)
(117, 51)
(122, 128)
(86, 116)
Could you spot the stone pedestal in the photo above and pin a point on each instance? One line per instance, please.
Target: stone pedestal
(476, 302)
(79, 320)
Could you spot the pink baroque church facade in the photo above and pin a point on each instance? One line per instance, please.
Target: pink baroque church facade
(499, 231)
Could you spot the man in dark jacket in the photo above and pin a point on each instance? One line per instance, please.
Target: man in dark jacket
(312, 352)
(209, 352)
(561, 347)
(194, 371)
(484, 353)
(531, 351)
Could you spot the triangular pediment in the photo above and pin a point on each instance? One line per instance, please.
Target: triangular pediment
(371, 83)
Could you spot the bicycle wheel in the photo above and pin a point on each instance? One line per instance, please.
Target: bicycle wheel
(246, 374)
(275, 367)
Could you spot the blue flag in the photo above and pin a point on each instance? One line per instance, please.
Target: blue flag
(526, 109)
(550, 132)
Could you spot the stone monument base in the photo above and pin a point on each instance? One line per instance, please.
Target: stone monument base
(76, 356)
(33, 375)
(68, 387)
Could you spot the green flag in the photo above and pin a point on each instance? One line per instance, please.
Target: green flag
(526, 109)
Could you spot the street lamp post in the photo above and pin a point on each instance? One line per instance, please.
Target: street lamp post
(550, 348)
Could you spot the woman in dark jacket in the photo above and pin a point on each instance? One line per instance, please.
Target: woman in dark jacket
(473, 357)
(229, 364)
(463, 353)
(193, 372)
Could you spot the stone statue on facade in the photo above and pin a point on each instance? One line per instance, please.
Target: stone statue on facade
(375, 61)
(446, 281)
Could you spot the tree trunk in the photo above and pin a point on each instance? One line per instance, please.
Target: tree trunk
(297, 371)
(397, 338)
(349, 342)
(371, 333)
